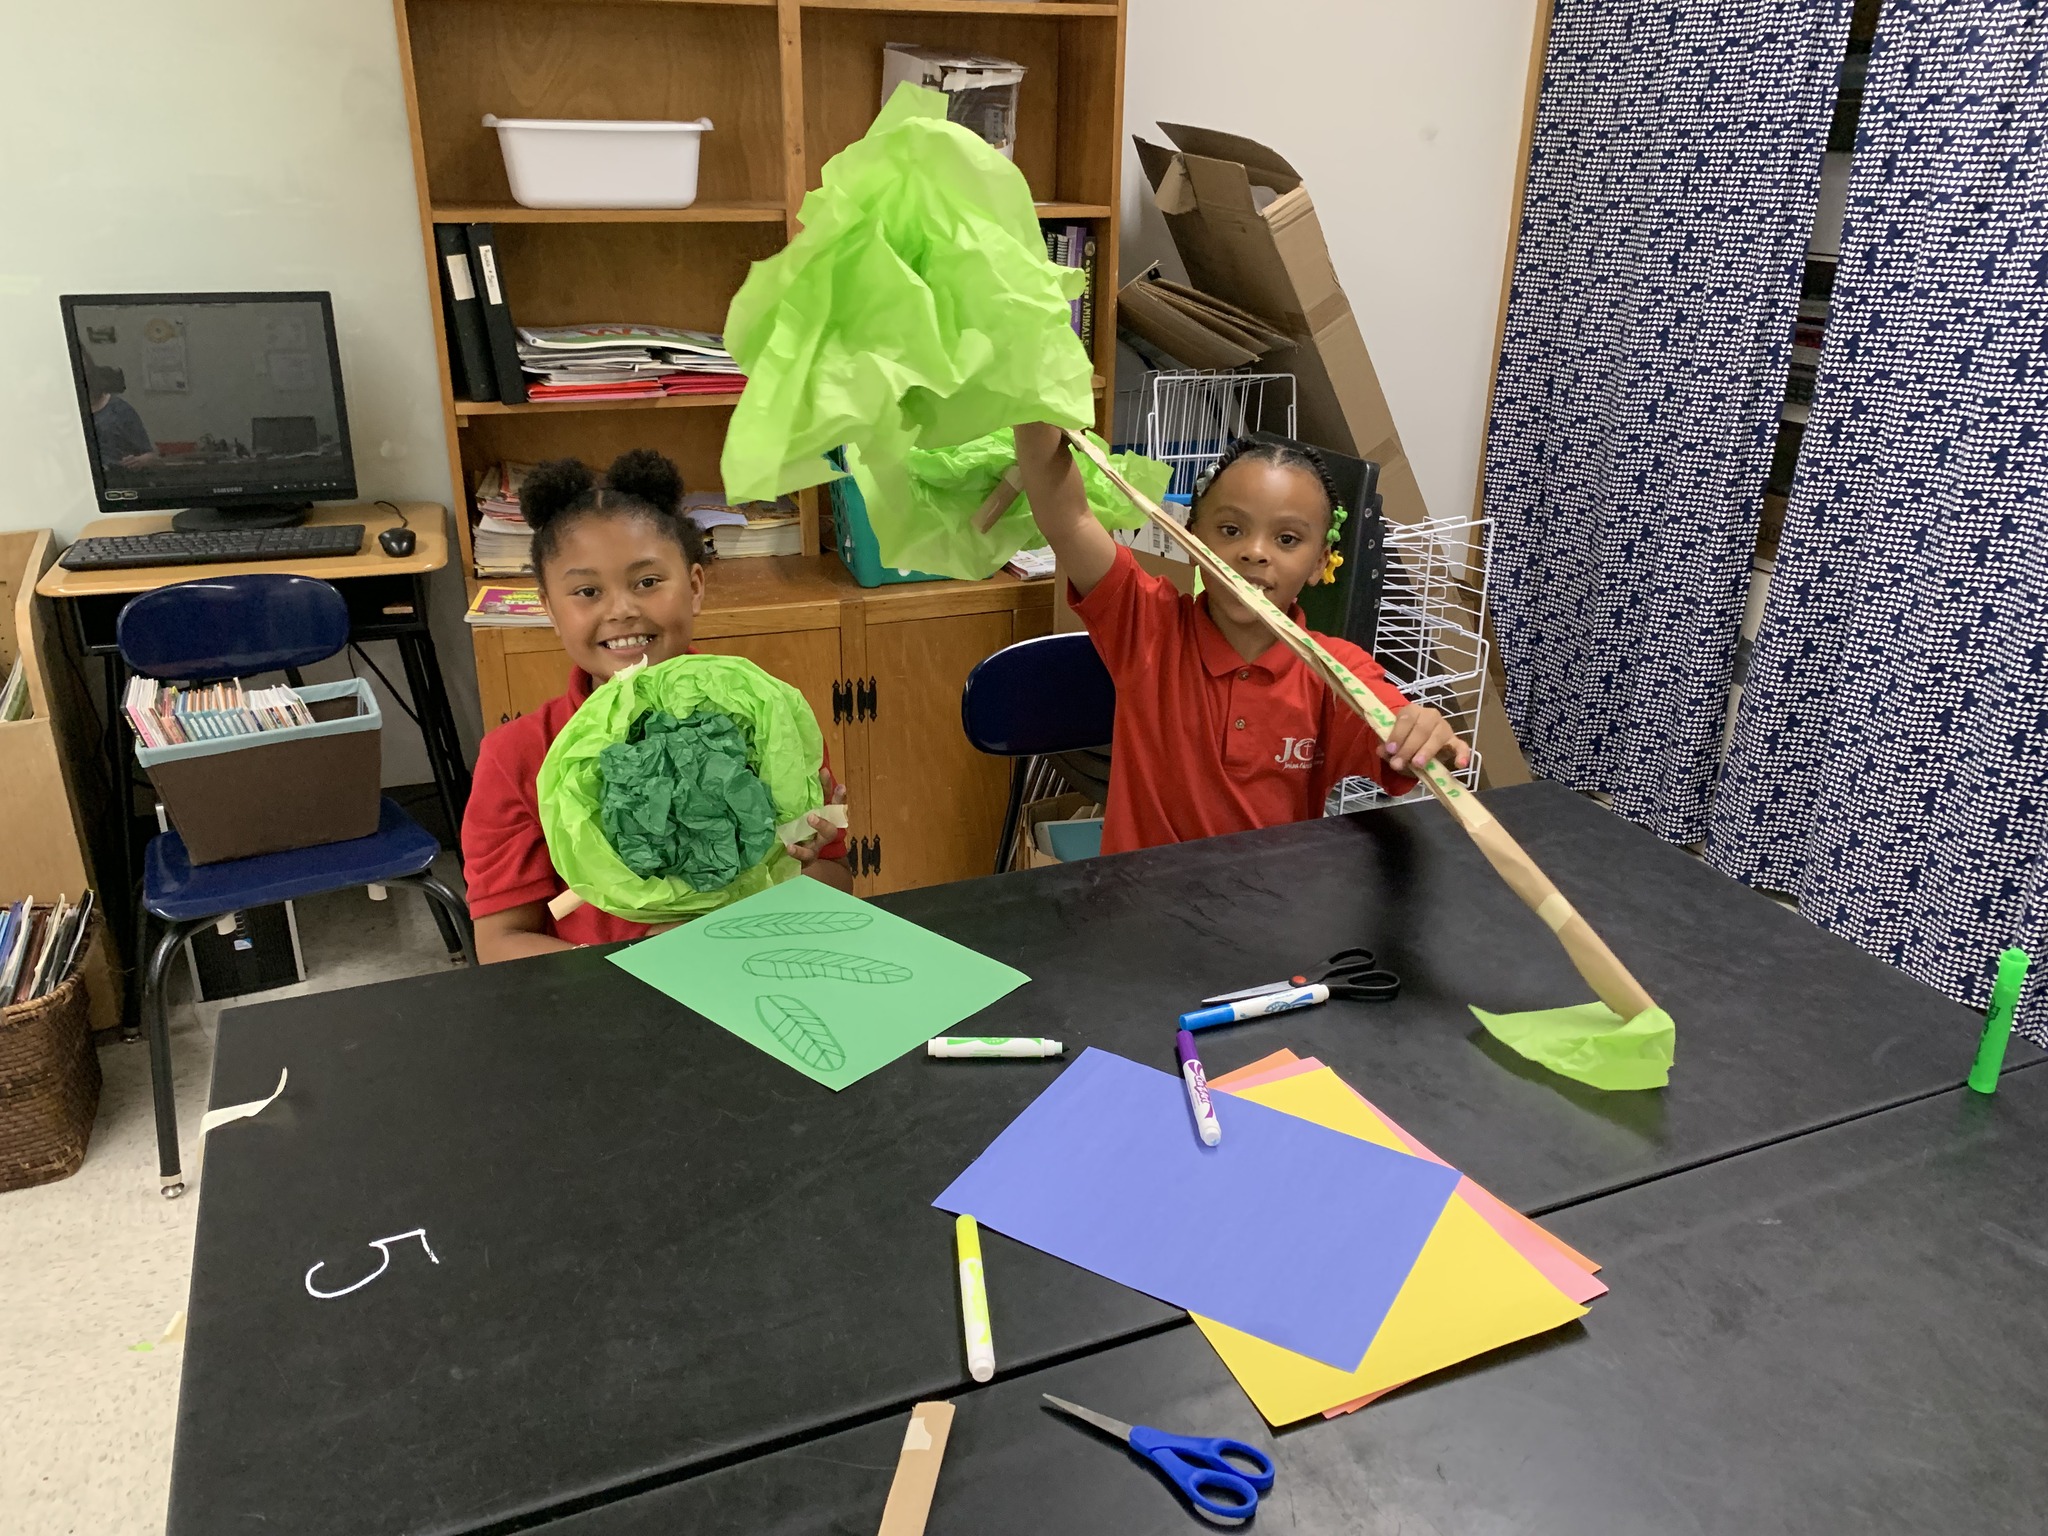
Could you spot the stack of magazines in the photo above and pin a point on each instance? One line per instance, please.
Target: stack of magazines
(502, 541)
(624, 362)
(171, 716)
(736, 530)
(38, 948)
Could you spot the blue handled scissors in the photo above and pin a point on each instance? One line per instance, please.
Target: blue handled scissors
(1349, 973)
(1216, 1487)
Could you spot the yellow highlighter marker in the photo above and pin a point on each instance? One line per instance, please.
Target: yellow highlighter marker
(981, 1349)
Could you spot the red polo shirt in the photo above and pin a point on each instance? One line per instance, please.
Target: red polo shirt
(1207, 742)
(505, 853)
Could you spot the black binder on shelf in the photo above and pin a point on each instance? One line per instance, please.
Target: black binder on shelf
(498, 331)
(462, 314)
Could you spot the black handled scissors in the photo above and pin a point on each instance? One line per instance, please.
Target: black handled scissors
(1348, 973)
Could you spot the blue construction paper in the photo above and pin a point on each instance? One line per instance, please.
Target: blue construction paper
(1289, 1231)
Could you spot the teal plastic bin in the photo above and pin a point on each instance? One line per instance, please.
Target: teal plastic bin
(857, 546)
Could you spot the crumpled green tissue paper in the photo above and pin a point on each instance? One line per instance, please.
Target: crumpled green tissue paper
(718, 825)
(932, 528)
(915, 309)
(1591, 1044)
(679, 799)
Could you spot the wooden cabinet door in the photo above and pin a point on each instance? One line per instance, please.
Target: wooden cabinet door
(806, 658)
(934, 802)
(536, 670)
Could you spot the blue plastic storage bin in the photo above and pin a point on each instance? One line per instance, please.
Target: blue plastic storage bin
(857, 546)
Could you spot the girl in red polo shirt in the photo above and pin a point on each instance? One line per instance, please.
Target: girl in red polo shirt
(1219, 727)
(621, 574)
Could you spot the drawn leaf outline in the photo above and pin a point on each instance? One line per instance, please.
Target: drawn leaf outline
(824, 965)
(802, 1033)
(785, 925)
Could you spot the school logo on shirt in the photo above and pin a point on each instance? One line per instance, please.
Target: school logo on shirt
(1298, 752)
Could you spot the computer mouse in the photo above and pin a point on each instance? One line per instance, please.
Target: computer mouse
(398, 542)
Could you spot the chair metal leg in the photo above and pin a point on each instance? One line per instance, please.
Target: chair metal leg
(131, 1004)
(450, 915)
(1012, 812)
(156, 1009)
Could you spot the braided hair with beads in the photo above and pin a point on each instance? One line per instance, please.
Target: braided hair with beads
(1286, 455)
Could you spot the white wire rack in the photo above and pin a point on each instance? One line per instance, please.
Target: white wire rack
(1432, 638)
(1189, 418)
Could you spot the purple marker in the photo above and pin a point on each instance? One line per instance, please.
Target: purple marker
(1198, 1089)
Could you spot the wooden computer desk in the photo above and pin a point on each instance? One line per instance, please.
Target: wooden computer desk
(387, 600)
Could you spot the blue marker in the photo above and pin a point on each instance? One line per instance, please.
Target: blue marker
(1256, 1007)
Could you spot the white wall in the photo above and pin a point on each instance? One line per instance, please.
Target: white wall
(218, 144)
(1405, 119)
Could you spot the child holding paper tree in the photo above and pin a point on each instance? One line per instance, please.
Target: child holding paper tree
(1219, 727)
(621, 573)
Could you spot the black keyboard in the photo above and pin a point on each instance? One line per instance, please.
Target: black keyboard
(223, 547)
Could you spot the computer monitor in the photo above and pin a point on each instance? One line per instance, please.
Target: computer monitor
(226, 406)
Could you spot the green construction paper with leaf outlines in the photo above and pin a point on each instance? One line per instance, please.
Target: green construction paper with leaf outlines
(1591, 1043)
(933, 529)
(679, 799)
(820, 980)
(915, 309)
(785, 752)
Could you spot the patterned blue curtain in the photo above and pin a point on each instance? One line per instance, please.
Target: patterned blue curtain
(1890, 761)
(1672, 179)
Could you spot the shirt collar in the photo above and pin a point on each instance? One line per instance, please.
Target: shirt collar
(1220, 657)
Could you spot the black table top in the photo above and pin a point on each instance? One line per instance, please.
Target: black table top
(659, 1250)
(1840, 1333)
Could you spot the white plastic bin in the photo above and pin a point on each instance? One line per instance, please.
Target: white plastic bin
(572, 163)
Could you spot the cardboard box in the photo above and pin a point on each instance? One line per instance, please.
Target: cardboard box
(1031, 852)
(981, 92)
(1248, 234)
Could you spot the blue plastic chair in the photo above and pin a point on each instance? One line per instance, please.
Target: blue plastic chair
(238, 626)
(1035, 699)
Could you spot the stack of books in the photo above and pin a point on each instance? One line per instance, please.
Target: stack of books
(621, 361)
(1073, 245)
(501, 541)
(506, 608)
(39, 948)
(14, 693)
(746, 529)
(171, 716)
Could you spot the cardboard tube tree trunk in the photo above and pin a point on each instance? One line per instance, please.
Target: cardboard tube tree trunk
(1603, 971)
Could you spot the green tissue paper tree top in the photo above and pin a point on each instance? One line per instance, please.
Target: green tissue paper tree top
(661, 796)
(916, 310)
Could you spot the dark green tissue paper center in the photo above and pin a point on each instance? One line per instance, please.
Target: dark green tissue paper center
(681, 802)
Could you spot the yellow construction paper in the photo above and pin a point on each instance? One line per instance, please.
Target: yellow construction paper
(1469, 1291)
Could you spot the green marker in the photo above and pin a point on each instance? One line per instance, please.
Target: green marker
(2005, 998)
(992, 1045)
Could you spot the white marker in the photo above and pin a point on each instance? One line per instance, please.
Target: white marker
(1198, 1089)
(963, 1046)
(1256, 1007)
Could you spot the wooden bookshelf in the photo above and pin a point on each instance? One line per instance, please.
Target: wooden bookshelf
(788, 84)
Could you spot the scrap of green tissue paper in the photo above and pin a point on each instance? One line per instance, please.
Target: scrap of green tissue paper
(1591, 1043)
(916, 309)
(934, 529)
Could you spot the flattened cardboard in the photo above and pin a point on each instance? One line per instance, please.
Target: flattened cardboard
(1247, 231)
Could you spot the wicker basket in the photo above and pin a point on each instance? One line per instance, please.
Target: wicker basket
(49, 1082)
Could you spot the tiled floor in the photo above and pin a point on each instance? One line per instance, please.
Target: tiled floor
(94, 1268)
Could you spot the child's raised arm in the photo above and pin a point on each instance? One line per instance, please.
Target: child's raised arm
(1059, 505)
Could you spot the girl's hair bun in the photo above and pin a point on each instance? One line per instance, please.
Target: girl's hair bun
(647, 476)
(552, 488)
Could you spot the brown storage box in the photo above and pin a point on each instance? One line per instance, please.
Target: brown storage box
(310, 785)
(49, 1080)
